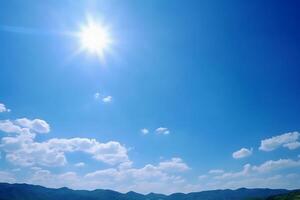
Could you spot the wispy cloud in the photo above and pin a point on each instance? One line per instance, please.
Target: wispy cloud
(162, 131)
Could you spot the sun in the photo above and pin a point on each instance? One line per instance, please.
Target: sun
(94, 38)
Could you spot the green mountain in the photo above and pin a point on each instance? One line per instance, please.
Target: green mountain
(294, 195)
(33, 192)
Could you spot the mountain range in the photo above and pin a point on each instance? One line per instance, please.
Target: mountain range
(35, 192)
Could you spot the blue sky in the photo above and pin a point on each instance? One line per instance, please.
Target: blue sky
(189, 96)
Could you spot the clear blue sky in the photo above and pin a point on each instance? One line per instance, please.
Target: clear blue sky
(213, 84)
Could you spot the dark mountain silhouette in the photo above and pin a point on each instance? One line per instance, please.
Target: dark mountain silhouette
(34, 192)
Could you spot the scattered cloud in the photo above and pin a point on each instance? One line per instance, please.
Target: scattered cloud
(242, 153)
(144, 131)
(144, 179)
(107, 99)
(288, 140)
(162, 131)
(252, 171)
(269, 174)
(3, 108)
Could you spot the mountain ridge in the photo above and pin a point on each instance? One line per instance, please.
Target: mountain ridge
(23, 191)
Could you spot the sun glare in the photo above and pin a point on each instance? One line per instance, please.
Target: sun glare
(94, 38)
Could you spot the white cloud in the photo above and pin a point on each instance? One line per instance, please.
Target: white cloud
(266, 167)
(145, 179)
(230, 175)
(292, 145)
(272, 165)
(80, 164)
(288, 140)
(242, 153)
(162, 130)
(216, 171)
(3, 108)
(9, 127)
(270, 174)
(107, 99)
(175, 164)
(36, 125)
(148, 178)
(22, 149)
(144, 131)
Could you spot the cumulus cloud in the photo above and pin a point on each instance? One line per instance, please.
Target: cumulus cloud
(148, 178)
(175, 164)
(24, 125)
(3, 108)
(9, 127)
(144, 131)
(36, 125)
(23, 150)
(288, 140)
(107, 99)
(242, 153)
(292, 145)
(162, 131)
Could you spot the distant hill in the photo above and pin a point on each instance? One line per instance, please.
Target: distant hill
(33, 192)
